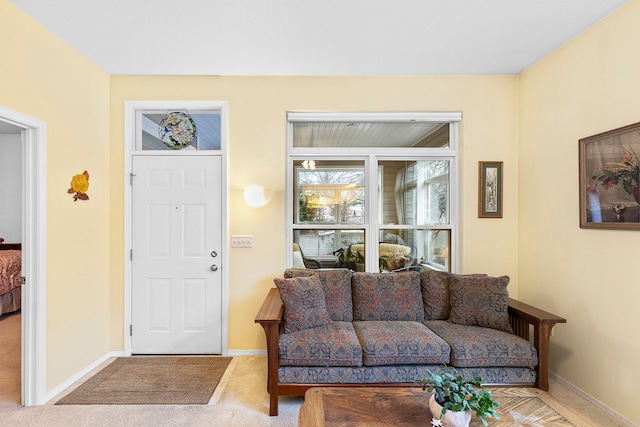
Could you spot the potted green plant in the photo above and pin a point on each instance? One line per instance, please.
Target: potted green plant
(347, 259)
(456, 398)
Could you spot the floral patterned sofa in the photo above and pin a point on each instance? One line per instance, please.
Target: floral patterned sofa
(334, 327)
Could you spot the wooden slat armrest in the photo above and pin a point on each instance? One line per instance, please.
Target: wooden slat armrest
(272, 308)
(531, 314)
(522, 315)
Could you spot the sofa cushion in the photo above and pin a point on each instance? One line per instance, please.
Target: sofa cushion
(393, 374)
(335, 344)
(474, 346)
(480, 301)
(435, 294)
(304, 304)
(336, 284)
(387, 296)
(399, 343)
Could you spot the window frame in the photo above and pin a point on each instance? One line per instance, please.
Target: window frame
(372, 156)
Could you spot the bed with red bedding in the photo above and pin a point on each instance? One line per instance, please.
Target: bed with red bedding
(10, 277)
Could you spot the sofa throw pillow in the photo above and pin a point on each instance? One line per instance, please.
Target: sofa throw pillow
(304, 304)
(336, 285)
(435, 293)
(480, 301)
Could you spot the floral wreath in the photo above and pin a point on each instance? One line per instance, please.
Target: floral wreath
(177, 130)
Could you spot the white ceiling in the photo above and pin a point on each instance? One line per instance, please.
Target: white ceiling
(322, 37)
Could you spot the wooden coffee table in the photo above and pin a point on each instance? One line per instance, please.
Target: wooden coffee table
(390, 406)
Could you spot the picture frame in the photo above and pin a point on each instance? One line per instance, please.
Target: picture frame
(490, 190)
(609, 173)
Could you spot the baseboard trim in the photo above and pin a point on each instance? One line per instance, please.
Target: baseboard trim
(618, 416)
(247, 352)
(75, 378)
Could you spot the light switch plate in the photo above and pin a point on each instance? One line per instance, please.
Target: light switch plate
(241, 241)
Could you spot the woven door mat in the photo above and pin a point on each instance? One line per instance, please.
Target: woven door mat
(152, 380)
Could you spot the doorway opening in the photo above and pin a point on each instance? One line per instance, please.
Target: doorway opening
(33, 137)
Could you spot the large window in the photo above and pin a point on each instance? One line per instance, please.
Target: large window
(372, 192)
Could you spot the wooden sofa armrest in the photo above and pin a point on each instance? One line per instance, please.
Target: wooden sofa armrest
(270, 317)
(272, 308)
(521, 316)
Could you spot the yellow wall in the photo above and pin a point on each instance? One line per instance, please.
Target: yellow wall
(588, 276)
(45, 78)
(257, 153)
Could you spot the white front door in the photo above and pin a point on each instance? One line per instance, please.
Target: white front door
(176, 255)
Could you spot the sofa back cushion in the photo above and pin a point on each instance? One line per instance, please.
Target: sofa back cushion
(336, 284)
(387, 296)
(435, 294)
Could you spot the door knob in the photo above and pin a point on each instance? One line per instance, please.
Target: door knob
(214, 267)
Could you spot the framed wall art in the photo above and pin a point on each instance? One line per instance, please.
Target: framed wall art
(609, 175)
(490, 190)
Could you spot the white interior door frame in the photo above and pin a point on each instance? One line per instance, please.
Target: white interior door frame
(34, 254)
(130, 110)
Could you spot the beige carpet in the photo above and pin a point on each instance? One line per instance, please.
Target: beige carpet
(152, 380)
(240, 400)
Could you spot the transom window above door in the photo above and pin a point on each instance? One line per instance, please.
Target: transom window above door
(372, 192)
(158, 130)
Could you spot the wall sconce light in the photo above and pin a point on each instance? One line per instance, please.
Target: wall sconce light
(256, 196)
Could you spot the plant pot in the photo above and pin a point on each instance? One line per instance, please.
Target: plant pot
(450, 418)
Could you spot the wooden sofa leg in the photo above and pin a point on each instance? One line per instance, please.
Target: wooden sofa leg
(522, 315)
(272, 368)
(269, 317)
(273, 404)
(542, 334)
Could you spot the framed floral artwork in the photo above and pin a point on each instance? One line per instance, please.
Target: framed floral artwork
(609, 177)
(490, 190)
